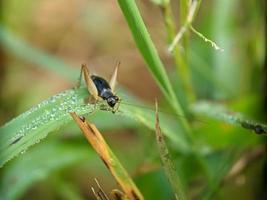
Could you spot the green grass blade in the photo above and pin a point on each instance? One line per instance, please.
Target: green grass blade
(171, 172)
(171, 128)
(150, 54)
(226, 66)
(179, 57)
(67, 189)
(27, 52)
(224, 166)
(133, 108)
(33, 125)
(202, 69)
(219, 112)
(29, 168)
(145, 44)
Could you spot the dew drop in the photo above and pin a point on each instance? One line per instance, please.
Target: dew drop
(23, 151)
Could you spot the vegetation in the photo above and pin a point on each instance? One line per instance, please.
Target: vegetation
(204, 139)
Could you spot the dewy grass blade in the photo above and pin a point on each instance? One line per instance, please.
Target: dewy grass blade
(33, 125)
(150, 54)
(221, 113)
(30, 127)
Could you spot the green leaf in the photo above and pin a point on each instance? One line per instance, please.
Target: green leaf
(67, 189)
(44, 60)
(28, 169)
(160, 2)
(33, 125)
(221, 113)
(50, 115)
(154, 185)
(170, 126)
(171, 172)
(222, 167)
(150, 54)
(133, 108)
(145, 44)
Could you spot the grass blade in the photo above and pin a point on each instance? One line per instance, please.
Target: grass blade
(168, 165)
(23, 172)
(95, 138)
(150, 54)
(44, 60)
(219, 112)
(224, 167)
(145, 44)
(171, 128)
(66, 189)
(187, 22)
(33, 125)
(178, 56)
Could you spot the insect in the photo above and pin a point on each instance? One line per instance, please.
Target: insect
(99, 88)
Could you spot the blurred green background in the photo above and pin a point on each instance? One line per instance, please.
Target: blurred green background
(44, 43)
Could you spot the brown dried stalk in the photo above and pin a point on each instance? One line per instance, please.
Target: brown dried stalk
(95, 138)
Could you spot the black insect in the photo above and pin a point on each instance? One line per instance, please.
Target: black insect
(104, 91)
(100, 88)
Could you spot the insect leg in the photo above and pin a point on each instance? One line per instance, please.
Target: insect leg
(89, 82)
(78, 84)
(113, 79)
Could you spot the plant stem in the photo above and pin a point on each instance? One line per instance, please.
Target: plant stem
(150, 55)
(179, 60)
(171, 172)
(95, 138)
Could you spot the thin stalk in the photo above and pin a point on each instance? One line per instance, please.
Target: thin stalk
(171, 173)
(194, 5)
(179, 60)
(184, 8)
(150, 55)
(95, 138)
(212, 43)
(221, 113)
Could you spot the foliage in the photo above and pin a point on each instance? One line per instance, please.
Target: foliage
(209, 111)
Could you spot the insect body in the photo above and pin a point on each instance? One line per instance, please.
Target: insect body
(104, 91)
(99, 88)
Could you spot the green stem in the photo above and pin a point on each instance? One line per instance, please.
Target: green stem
(179, 60)
(172, 174)
(150, 55)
